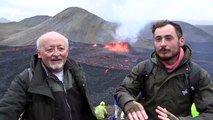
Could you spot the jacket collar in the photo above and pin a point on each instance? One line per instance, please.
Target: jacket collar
(38, 84)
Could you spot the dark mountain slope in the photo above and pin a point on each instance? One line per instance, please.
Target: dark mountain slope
(33, 21)
(191, 33)
(206, 28)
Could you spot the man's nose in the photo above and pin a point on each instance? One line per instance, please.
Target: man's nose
(163, 42)
(56, 52)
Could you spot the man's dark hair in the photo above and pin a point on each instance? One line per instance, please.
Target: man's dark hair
(163, 23)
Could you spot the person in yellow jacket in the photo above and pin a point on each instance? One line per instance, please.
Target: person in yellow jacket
(100, 111)
(194, 111)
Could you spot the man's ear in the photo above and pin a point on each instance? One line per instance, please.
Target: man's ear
(182, 41)
(39, 54)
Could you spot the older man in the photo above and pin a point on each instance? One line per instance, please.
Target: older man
(53, 88)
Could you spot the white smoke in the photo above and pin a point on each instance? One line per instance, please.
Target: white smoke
(128, 31)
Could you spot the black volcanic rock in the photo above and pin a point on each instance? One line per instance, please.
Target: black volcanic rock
(101, 84)
(75, 23)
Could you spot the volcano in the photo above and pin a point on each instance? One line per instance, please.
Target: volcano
(93, 44)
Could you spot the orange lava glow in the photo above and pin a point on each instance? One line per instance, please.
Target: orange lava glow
(117, 47)
(94, 45)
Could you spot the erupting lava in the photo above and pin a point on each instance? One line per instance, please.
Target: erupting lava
(94, 45)
(117, 47)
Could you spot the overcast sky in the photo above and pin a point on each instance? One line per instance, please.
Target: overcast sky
(131, 12)
(116, 10)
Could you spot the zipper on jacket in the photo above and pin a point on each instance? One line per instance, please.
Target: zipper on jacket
(65, 91)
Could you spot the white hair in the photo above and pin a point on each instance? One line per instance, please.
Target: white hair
(49, 35)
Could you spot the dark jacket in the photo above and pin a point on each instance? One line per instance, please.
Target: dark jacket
(42, 105)
(169, 90)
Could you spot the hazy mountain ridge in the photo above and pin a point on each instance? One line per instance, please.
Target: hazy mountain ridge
(206, 28)
(195, 34)
(32, 21)
(10, 28)
(4, 20)
(75, 23)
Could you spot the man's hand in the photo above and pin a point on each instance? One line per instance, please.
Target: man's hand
(163, 114)
(135, 111)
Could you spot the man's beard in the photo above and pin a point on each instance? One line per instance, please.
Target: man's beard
(167, 58)
(57, 66)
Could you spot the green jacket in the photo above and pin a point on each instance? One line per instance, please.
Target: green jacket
(169, 90)
(101, 112)
(42, 106)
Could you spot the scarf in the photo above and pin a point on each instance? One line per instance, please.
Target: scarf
(173, 66)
